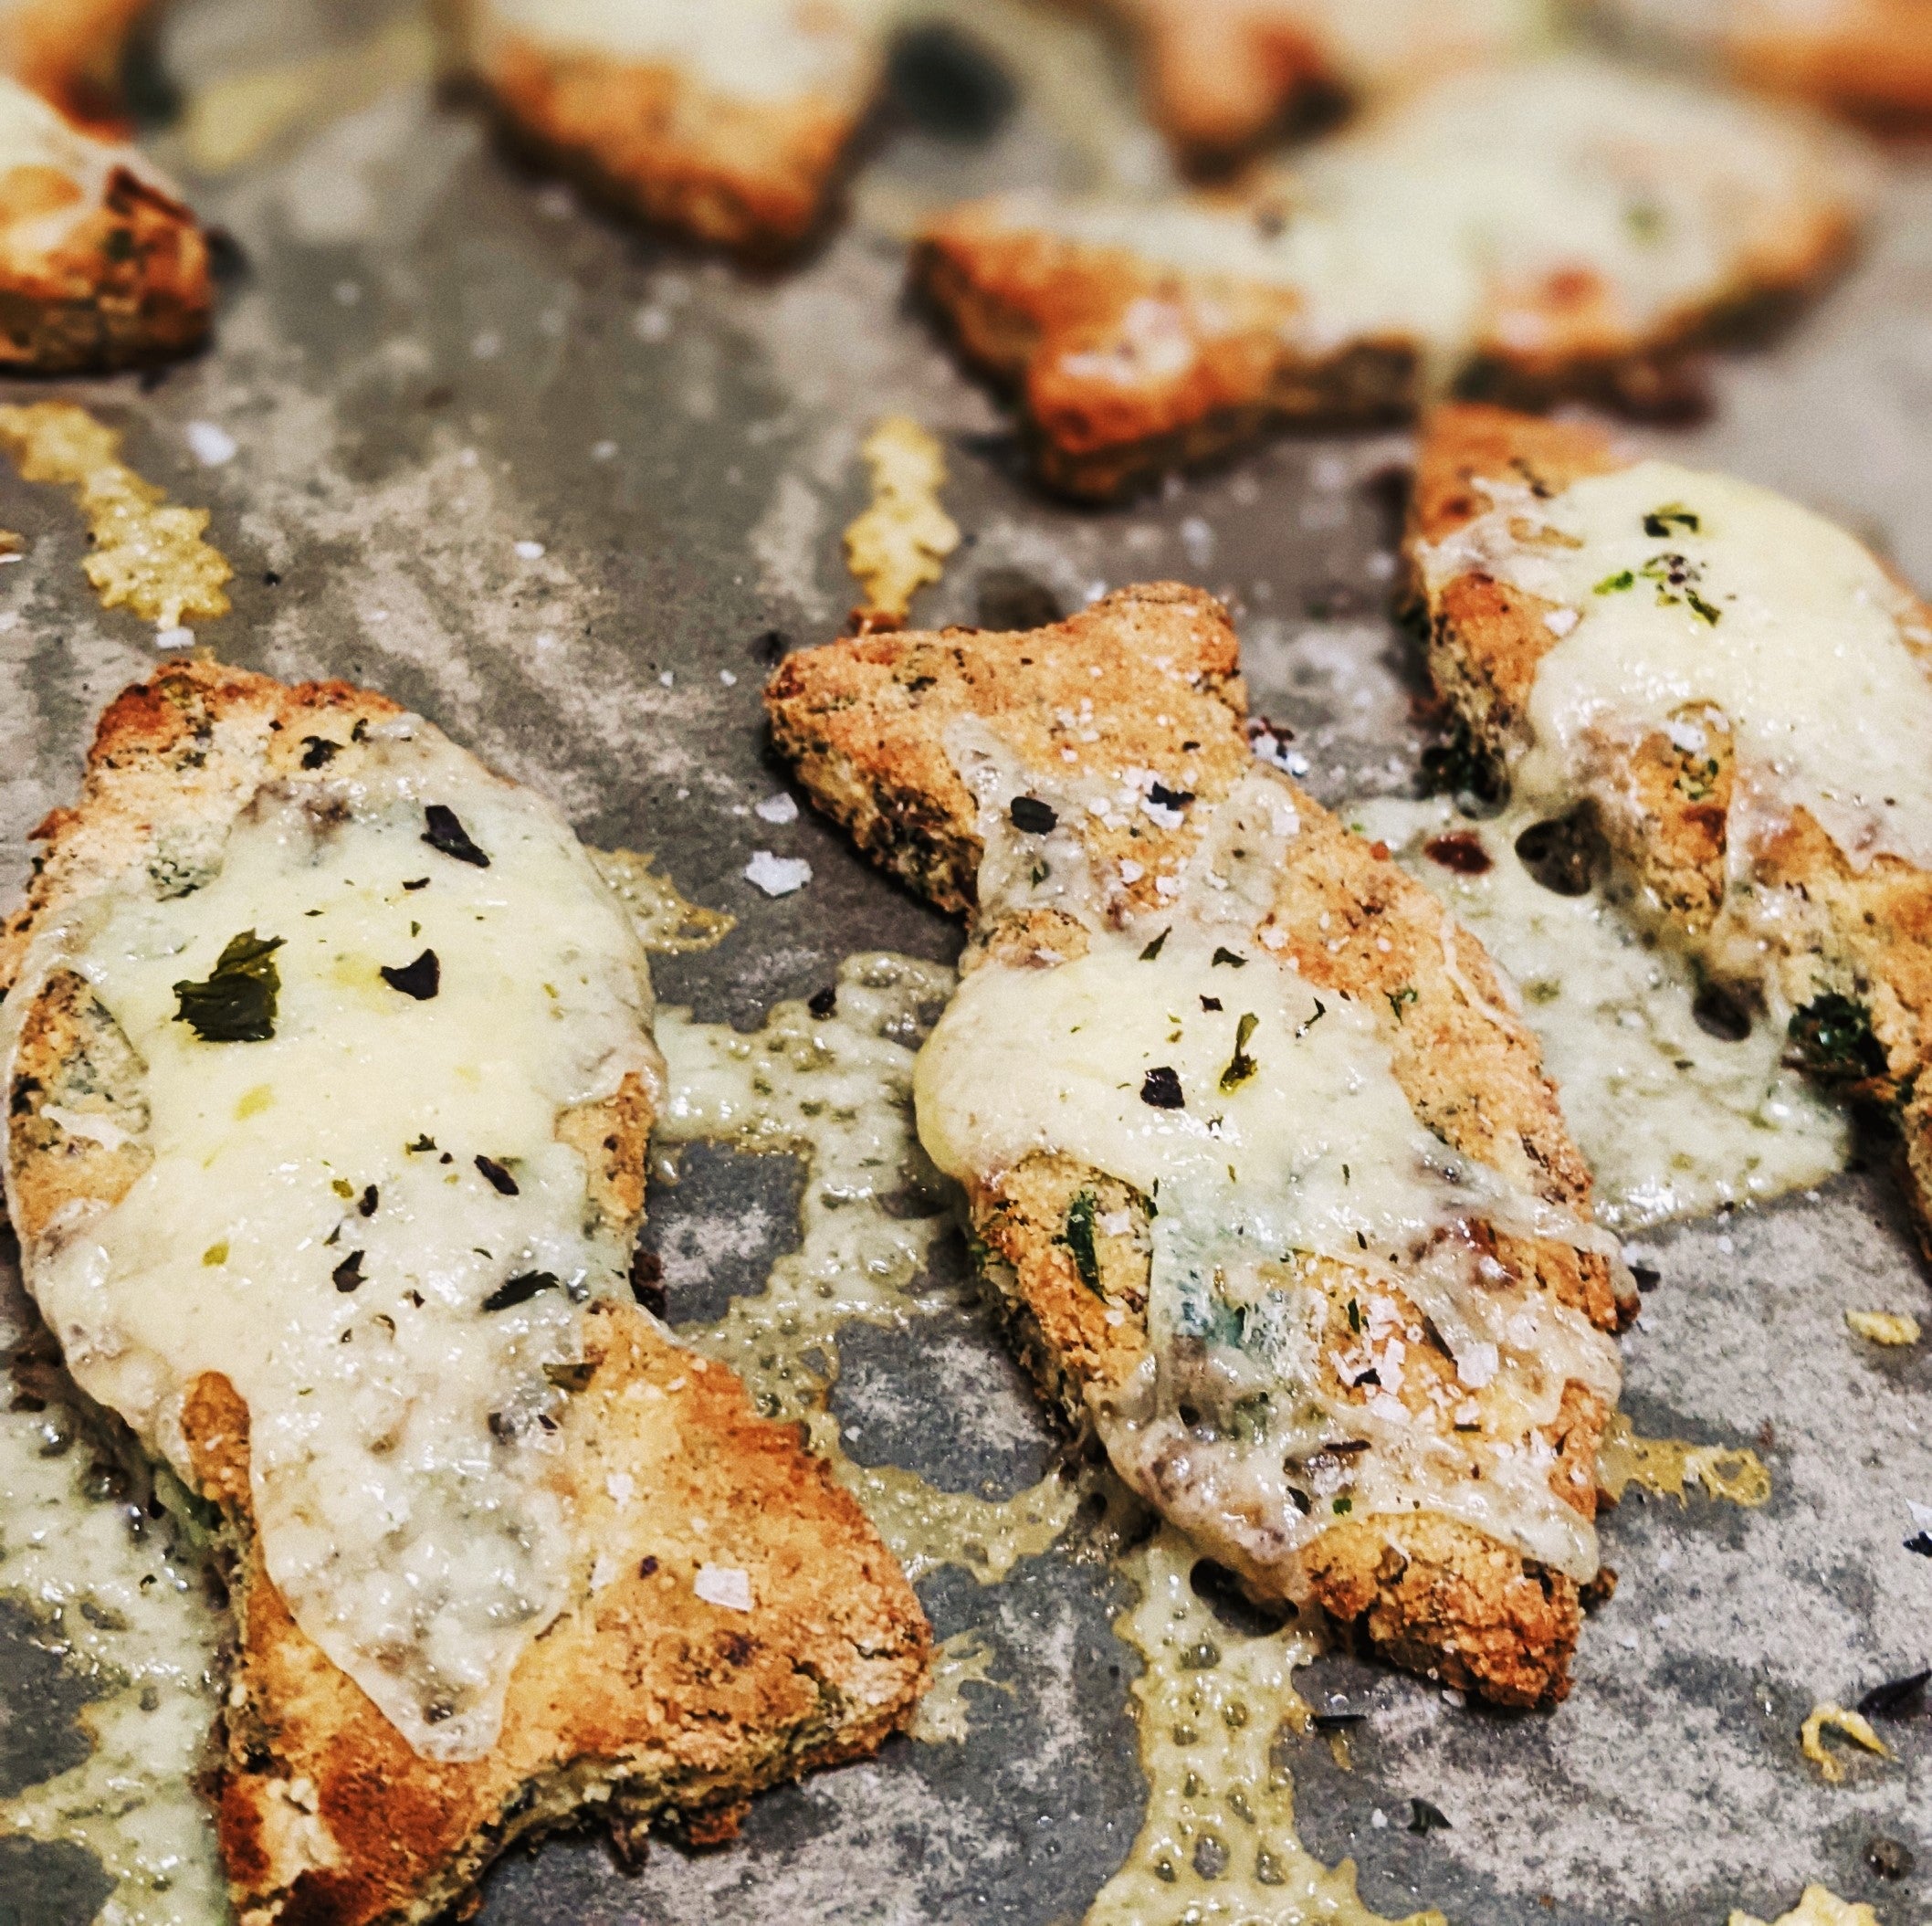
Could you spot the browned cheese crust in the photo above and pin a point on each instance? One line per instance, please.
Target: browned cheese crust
(126, 284)
(1864, 936)
(1059, 323)
(643, 1704)
(71, 52)
(755, 177)
(863, 721)
(1870, 59)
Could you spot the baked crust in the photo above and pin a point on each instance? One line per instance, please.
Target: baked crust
(865, 720)
(642, 1704)
(1864, 935)
(71, 52)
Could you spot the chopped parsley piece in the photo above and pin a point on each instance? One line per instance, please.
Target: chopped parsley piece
(1831, 1037)
(1354, 1317)
(1080, 1240)
(1162, 1088)
(1673, 514)
(236, 1003)
(1032, 816)
(520, 1289)
(1343, 1506)
(1701, 606)
(499, 1179)
(1153, 948)
(1228, 958)
(447, 833)
(1615, 585)
(1241, 1066)
(1406, 995)
(421, 979)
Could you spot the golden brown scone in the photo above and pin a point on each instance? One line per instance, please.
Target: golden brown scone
(1844, 948)
(1476, 238)
(643, 1703)
(71, 52)
(1221, 74)
(100, 264)
(1149, 676)
(730, 126)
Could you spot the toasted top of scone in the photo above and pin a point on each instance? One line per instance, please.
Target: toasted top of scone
(1222, 74)
(1535, 227)
(70, 51)
(364, 1001)
(1357, 1278)
(100, 261)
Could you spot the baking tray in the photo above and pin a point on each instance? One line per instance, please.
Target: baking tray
(427, 356)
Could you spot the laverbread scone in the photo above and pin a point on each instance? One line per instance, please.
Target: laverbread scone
(728, 124)
(331, 1080)
(1267, 1173)
(101, 264)
(1557, 228)
(1732, 693)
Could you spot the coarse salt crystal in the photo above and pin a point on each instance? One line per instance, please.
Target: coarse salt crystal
(777, 875)
(724, 1586)
(1560, 621)
(779, 808)
(211, 445)
(530, 551)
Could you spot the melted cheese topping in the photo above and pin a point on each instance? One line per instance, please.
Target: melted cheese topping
(1675, 1122)
(402, 1448)
(1471, 198)
(763, 50)
(1734, 600)
(1265, 1133)
(36, 136)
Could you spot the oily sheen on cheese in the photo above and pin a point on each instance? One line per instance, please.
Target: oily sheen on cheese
(366, 1220)
(1260, 1119)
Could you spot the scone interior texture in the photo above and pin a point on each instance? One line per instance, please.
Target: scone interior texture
(1268, 1175)
(1557, 227)
(101, 264)
(331, 1077)
(1738, 694)
(1220, 74)
(726, 123)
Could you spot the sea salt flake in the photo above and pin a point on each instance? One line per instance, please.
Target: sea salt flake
(724, 1586)
(777, 875)
(211, 445)
(779, 808)
(1560, 621)
(530, 551)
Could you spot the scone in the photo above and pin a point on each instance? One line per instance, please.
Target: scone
(1264, 1170)
(331, 1081)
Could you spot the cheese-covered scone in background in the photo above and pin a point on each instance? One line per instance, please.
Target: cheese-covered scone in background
(101, 264)
(330, 1080)
(1564, 227)
(1871, 58)
(1731, 692)
(70, 51)
(724, 120)
(1265, 1169)
(1221, 74)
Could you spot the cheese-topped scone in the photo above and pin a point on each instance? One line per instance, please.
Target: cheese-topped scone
(331, 1079)
(1263, 1167)
(1731, 692)
(1868, 57)
(70, 51)
(1220, 74)
(100, 263)
(1561, 227)
(724, 122)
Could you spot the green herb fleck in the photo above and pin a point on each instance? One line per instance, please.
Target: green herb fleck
(1153, 948)
(1354, 1317)
(1228, 957)
(1703, 607)
(1079, 1239)
(1831, 1037)
(1343, 1506)
(1615, 585)
(1673, 514)
(216, 1253)
(1040, 873)
(1397, 998)
(1241, 1066)
(236, 1003)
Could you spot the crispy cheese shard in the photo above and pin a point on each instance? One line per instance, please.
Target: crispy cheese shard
(1738, 691)
(101, 264)
(728, 124)
(1220, 74)
(1267, 1173)
(331, 1082)
(1562, 227)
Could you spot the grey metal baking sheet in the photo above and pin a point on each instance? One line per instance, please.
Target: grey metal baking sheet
(431, 356)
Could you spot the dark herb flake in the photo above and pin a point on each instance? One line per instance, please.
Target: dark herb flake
(1398, 999)
(348, 1274)
(422, 882)
(1032, 816)
(520, 1289)
(236, 1003)
(367, 1206)
(421, 979)
(1080, 1240)
(447, 833)
(1673, 514)
(499, 1179)
(1153, 948)
(1921, 1543)
(1831, 1037)
(1336, 1721)
(1162, 798)
(317, 750)
(1241, 1066)
(1896, 1698)
(1229, 959)
(1425, 1818)
(1321, 1010)
(1615, 585)
(1162, 1088)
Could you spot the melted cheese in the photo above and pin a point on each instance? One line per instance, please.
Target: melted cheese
(1784, 624)
(1441, 220)
(1291, 1140)
(762, 50)
(402, 1452)
(1675, 1122)
(37, 137)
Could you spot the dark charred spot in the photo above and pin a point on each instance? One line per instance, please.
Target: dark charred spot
(1162, 1088)
(317, 751)
(421, 979)
(1460, 850)
(498, 1178)
(647, 1282)
(1722, 1014)
(1564, 853)
(520, 1289)
(348, 1274)
(822, 1003)
(1032, 817)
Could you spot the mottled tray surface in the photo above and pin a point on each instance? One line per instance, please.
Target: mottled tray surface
(419, 367)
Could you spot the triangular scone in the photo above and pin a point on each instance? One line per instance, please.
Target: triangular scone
(726, 125)
(100, 264)
(72, 51)
(336, 1209)
(1564, 227)
(1348, 1392)
(1221, 74)
(1741, 696)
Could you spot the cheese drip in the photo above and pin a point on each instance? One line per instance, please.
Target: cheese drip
(1267, 1135)
(317, 1222)
(1696, 599)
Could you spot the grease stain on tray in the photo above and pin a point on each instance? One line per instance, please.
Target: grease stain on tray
(664, 921)
(944, 1714)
